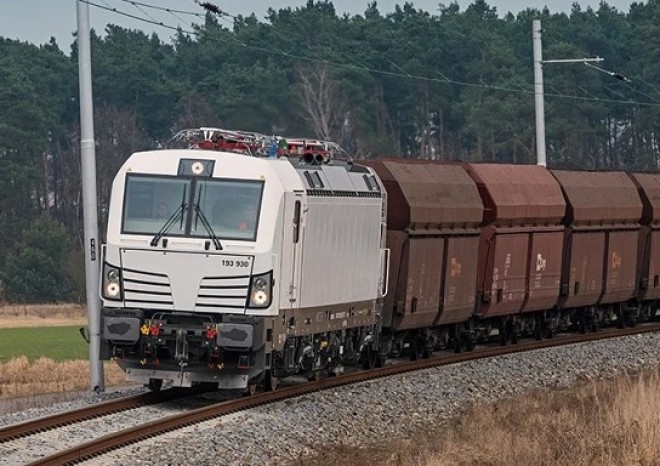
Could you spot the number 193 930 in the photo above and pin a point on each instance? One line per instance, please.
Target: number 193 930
(233, 263)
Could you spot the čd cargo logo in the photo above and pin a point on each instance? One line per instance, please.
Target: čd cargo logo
(455, 268)
(541, 263)
(616, 261)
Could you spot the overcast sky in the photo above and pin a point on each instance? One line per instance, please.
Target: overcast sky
(37, 20)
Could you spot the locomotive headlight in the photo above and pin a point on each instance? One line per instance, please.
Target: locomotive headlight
(197, 168)
(261, 290)
(260, 283)
(112, 290)
(111, 286)
(259, 298)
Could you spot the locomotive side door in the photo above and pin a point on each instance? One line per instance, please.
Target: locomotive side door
(292, 241)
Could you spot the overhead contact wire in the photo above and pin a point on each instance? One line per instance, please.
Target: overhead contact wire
(371, 70)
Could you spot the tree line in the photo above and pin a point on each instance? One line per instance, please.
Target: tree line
(452, 85)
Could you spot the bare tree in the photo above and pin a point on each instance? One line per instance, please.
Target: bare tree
(118, 134)
(324, 107)
(195, 111)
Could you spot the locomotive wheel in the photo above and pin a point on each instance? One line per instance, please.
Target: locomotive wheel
(314, 376)
(369, 358)
(272, 382)
(380, 360)
(251, 388)
(155, 385)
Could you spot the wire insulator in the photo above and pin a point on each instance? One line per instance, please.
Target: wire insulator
(212, 8)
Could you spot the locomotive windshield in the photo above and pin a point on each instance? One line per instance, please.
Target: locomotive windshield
(150, 201)
(231, 206)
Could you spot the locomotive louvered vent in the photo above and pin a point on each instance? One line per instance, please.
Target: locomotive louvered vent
(326, 182)
(330, 193)
(151, 288)
(314, 180)
(371, 183)
(223, 292)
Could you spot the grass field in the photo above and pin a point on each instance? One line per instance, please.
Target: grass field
(56, 343)
(41, 351)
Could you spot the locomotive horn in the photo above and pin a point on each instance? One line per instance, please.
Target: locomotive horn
(309, 158)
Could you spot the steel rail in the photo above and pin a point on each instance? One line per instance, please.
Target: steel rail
(27, 428)
(110, 442)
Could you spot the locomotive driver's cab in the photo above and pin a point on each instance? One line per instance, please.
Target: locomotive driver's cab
(190, 267)
(191, 207)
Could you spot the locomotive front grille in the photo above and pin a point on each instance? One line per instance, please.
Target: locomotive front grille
(222, 293)
(147, 288)
(186, 282)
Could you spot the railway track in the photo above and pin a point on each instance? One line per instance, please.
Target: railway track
(125, 437)
(25, 429)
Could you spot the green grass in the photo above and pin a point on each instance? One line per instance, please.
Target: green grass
(57, 343)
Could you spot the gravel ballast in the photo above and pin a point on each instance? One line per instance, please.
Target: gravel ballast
(375, 411)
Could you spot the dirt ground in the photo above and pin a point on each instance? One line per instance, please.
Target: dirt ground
(42, 315)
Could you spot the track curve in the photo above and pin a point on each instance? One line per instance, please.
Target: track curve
(129, 436)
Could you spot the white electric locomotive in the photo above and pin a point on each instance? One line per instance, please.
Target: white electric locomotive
(257, 259)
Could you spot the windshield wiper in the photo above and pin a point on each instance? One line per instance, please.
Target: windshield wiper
(207, 227)
(178, 214)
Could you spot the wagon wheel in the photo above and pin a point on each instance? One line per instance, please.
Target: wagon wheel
(415, 349)
(469, 344)
(514, 331)
(457, 339)
(538, 328)
(583, 322)
(549, 330)
(427, 352)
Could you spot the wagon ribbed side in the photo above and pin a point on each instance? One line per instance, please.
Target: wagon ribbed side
(520, 250)
(434, 210)
(604, 210)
